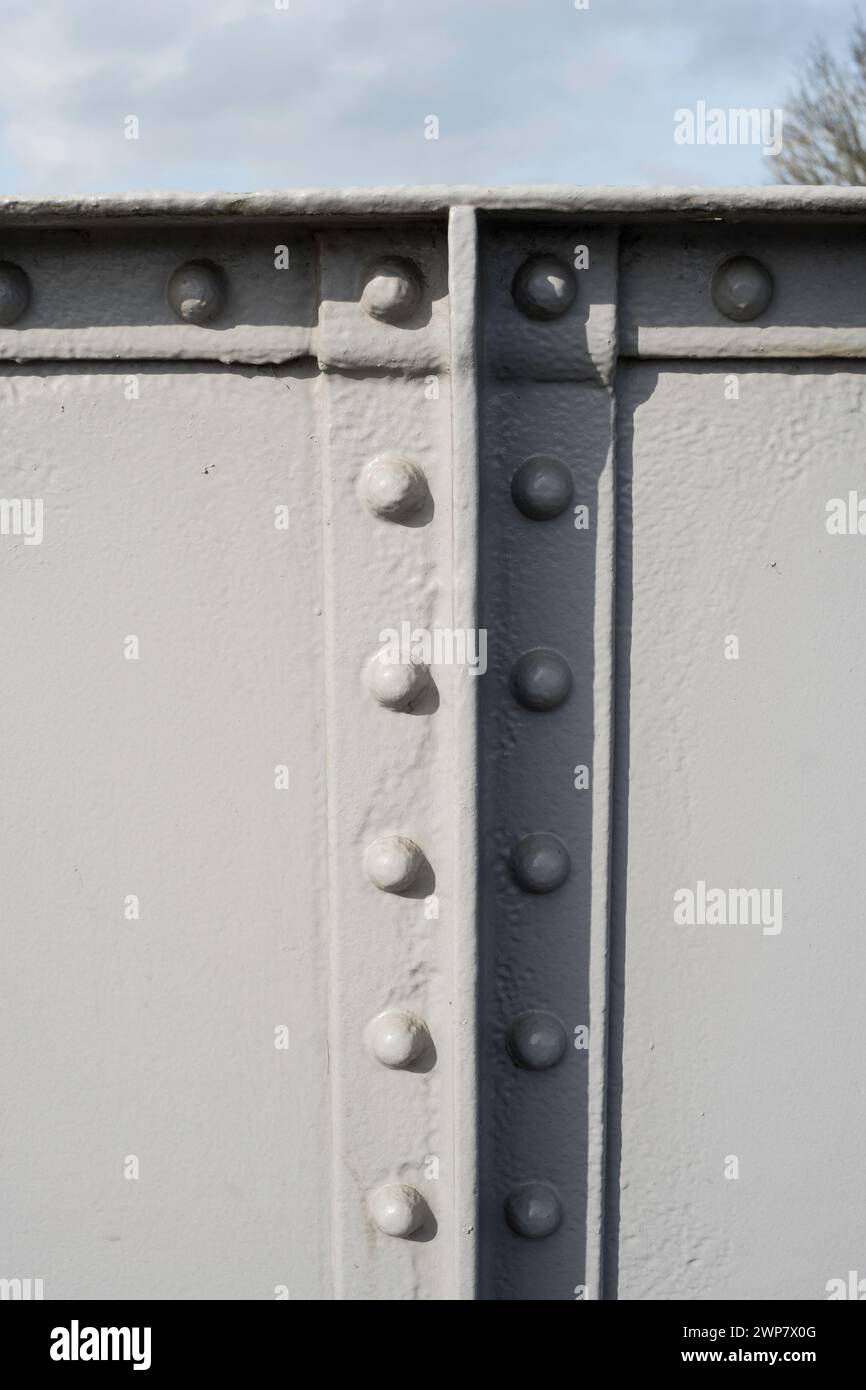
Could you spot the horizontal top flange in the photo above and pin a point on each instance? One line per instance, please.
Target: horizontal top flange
(613, 204)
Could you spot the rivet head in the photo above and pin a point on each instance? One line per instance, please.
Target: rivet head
(14, 292)
(533, 1210)
(540, 863)
(195, 291)
(397, 1209)
(392, 863)
(398, 685)
(397, 1038)
(392, 290)
(544, 287)
(742, 288)
(393, 487)
(536, 1041)
(542, 487)
(541, 679)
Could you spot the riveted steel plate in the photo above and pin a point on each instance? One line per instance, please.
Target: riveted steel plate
(818, 277)
(737, 1129)
(164, 903)
(349, 336)
(431, 782)
(98, 293)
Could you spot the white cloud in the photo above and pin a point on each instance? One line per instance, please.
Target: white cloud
(240, 94)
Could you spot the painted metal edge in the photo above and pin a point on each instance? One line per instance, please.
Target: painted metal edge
(602, 831)
(463, 299)
(436, 200)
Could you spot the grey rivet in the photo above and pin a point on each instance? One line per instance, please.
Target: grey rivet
(393, 487)
(14, 292)
(742, 288)
(536, 1040)
(196, 291)
(541, 679)
(544, 287)
(540, 863)
(392, 863)
(392, 291)
(397, 1209)
(542, 487)
(533, 1210)
(397, 1038)
(398, 685)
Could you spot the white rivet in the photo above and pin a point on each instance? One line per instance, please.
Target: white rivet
(392, 291)
(397, 1038)
(397, 1209)
(195, 291)
(397, 685)
(393, 487)
(392, 863)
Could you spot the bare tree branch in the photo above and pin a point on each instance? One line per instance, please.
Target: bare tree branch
(825, 119)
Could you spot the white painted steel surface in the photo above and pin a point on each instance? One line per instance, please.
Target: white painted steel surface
(260, 892)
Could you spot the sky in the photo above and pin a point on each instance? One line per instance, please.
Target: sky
(245, 95)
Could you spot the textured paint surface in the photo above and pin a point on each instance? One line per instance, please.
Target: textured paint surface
(543, 582)
(281, 1043)
(155, 1038)
(743, 773)
(216, 1121)
(667, 308)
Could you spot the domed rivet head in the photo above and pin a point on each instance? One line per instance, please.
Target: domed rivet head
(542, 487)
(397, 1209)
(533, 1210)
(392, 863)
(397, 1038)
(393, 487)
(196, 291)
(742, 288)
(541, 679)
(392, 290)
(540, 863)
(14, 292)
(544, 287)
(537, 1041)
(398, 685)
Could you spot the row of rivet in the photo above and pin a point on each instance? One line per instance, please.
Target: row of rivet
(394, 489)
(542, 488)
(544, 288)
(196, 291)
